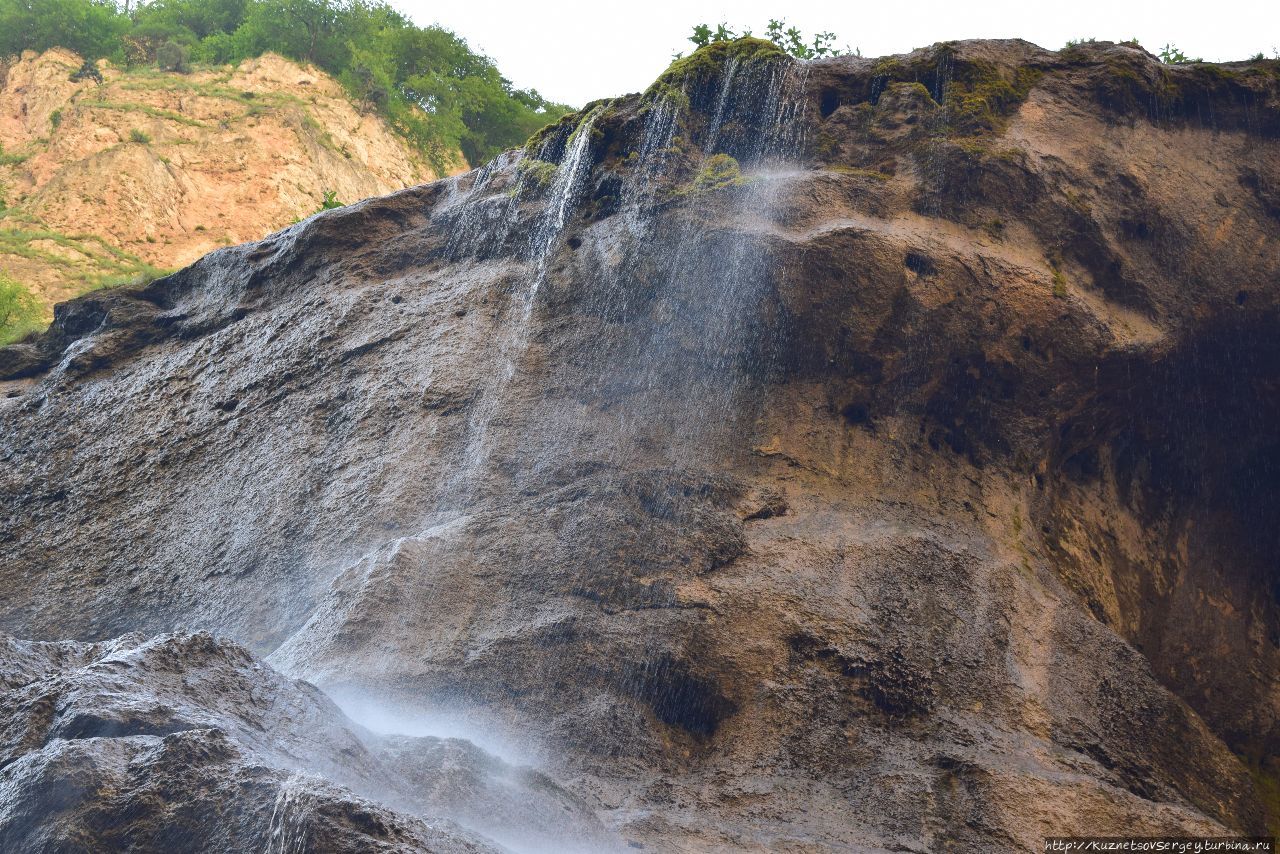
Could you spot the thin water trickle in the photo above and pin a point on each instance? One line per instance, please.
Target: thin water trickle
(287, 829)
(545, 237)
(560, 200)
(717, 120)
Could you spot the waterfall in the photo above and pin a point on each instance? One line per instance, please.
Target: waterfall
(658, 299)
(692, 324)
(544, 239)
(674, 298)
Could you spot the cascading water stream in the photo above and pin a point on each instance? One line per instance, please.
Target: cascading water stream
(544, 238)
(696, 323)
(717, 120)
(713, 282)
(664, 375)
(287, 828)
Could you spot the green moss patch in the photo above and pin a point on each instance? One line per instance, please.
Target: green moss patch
(145, 109)
(536, 173)
(710, 59)
(982, 96)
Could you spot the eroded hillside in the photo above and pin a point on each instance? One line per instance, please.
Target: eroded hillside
(143, 170)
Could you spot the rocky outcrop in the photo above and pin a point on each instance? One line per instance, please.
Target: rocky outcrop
(143, 169)
(857, 454)
(186, 742)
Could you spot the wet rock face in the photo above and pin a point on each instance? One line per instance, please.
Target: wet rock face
(908, 480)
(187, 742)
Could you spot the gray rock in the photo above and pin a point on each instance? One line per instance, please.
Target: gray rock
(189, 743)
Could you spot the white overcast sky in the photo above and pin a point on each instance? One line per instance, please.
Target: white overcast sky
(578, 51)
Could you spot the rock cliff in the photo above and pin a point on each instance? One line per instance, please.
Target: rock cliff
(846, 455)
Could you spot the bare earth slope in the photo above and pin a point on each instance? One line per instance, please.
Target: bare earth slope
(156, 168)
(851, 455)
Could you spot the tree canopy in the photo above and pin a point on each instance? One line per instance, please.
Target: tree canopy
(426, 81)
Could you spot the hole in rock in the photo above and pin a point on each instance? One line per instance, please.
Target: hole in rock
(1135, 229)
(679, 697)
(856, 413)
(830, 101)
(921, 265)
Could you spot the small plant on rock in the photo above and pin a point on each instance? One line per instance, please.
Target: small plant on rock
(1171, 55)
(1059, 281)
(87, 71)
(139, 136)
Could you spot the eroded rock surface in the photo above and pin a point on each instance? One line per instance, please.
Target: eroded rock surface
(907, 482)
(188, 743)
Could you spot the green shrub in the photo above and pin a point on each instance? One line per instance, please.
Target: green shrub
(55, 119)
(87, 71)
(19, 311)
(327, 203)
(139, 136)
(788, 39)
(172, 56)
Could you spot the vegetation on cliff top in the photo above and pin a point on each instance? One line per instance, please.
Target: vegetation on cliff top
(435, 90)
(787, 39)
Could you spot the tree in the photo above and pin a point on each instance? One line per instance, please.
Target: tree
(19, 311)
(91, 28)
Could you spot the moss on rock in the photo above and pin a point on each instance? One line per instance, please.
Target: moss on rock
(710, 59)
(536, 173)
(718, 172)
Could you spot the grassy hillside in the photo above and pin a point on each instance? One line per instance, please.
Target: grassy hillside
(425, 81)
(117, 178)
